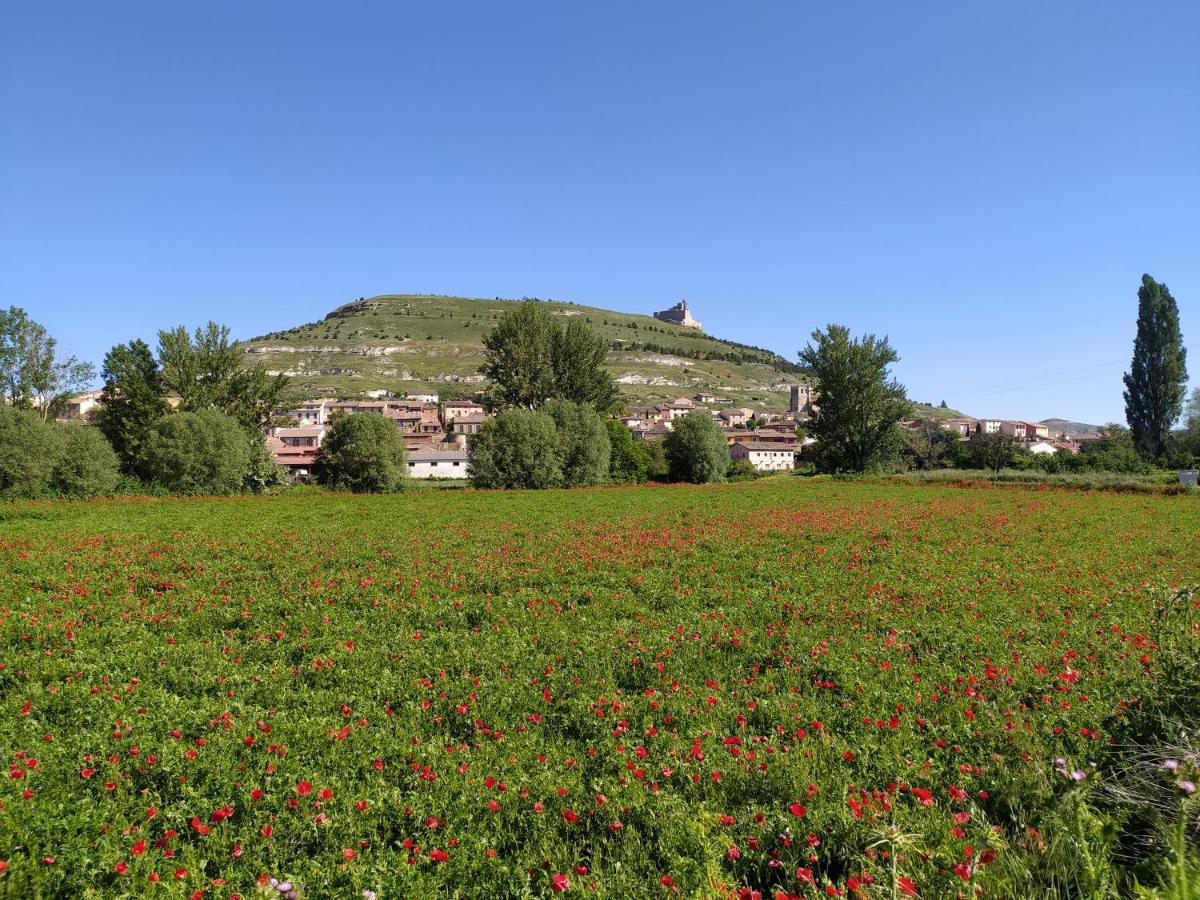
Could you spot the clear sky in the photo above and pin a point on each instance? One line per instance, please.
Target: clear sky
(983, 182)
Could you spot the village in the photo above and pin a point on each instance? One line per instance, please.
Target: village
(436, 431)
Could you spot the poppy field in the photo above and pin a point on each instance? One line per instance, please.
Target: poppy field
(799, 688)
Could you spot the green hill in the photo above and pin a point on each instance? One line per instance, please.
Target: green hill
(414, 342)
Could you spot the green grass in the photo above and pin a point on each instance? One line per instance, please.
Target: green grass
(738, 686)
(432, 338)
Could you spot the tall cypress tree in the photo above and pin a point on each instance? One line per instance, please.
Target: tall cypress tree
(1157, 380)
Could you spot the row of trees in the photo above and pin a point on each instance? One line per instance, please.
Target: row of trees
(928, 446)
(212, 440)
(186, 419)
(861, 407)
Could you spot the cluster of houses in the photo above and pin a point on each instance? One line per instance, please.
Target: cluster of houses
(435, 433)
(1036, 437)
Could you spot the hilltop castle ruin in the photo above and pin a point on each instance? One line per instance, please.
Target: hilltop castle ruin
(679, 315)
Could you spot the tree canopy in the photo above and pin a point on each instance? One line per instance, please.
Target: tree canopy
(517, 448)
(696, 449)
(581, 441)
(530, 358)
(207, 371)
(362, 453)
(1157, 380)
(205, 452)
(859, 403)
(41, 459)
(628, 460)
(132, 400)
(34, 375)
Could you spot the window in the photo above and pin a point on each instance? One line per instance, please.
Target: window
(458, 463)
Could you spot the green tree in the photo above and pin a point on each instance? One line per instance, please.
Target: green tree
(1157, 380)
(628, 459)
(657, 467)
(529, 359)
(696, 449)
(519, 357)
(88, 466)
(262, 472)
(518, 448)
(583, 445)
(362, 453)
(579, 374)
(860, 405)
(131, 402)
(205, 452)
(1113, 451)
(207, 371)
(992, 451)
(30, 450)
(33, 374)
(1189, 436)
(927, 444)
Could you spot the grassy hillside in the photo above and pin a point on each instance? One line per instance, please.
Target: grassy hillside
(407, 342)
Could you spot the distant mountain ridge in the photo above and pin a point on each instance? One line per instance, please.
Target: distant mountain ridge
(1066, 426)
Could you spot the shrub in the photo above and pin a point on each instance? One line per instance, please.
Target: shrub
(88, 465)
(742, 470)
(204, 452)
(696, 449)
(362, 453)
(628, 459)
(516, 449)
(582, 441)
(29, 451)
(262, 472)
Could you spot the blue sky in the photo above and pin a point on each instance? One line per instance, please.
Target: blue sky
(984, 183)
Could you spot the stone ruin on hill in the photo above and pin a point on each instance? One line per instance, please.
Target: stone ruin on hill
(679, 315)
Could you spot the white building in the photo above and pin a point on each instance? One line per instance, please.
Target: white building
(437, 464)
(1042, 448)
(765, 457)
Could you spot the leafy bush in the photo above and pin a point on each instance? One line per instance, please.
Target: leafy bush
(516, 449)
(742, 470)
(628, 459)
(30, 450)
(204, 452)
(88, 466)
(696, 449)
(582, 442)
(362, 453)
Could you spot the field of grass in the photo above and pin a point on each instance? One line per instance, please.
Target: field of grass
(799, 687)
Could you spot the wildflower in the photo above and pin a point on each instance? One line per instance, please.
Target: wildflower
(560, 883)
